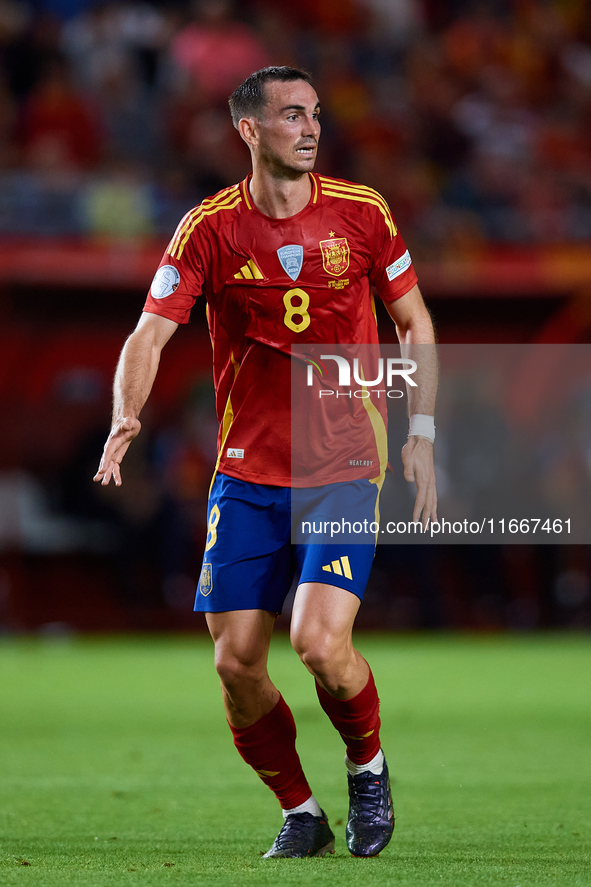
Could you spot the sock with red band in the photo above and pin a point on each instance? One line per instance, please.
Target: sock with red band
(357, 720)
(268, 746)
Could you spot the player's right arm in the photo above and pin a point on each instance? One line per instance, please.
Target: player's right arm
(134, 377)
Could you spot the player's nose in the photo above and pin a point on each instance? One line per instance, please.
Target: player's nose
(311, 126)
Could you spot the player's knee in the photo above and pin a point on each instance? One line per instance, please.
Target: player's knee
(323, 657)
(237, 671)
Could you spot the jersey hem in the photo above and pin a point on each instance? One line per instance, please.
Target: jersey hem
(393, 298)
(252, 477)
(167, 315)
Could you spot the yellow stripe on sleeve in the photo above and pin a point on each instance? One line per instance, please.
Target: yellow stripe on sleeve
(387, 217)
(333, 188)
(179, 248)
(193, 213)
(355, 189)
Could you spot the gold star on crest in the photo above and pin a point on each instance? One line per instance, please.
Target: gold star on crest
(331, 234)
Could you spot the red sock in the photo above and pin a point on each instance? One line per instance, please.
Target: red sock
(357, 720)
(268, 746)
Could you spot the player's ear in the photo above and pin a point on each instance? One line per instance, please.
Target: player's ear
(248, 129)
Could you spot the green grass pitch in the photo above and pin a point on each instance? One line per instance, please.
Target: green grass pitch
(117, 768)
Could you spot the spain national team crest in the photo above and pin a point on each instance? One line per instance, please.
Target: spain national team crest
(335, 255)
(206, 580)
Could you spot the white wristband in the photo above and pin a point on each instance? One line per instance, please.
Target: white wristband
(422, 426)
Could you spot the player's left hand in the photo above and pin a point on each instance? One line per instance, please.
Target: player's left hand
(417, 458)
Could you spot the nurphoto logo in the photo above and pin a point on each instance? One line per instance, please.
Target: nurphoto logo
(392, 363)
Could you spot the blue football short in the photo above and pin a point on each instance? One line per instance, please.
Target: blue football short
(250, 560)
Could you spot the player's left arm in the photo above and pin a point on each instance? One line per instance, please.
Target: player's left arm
(416, 335)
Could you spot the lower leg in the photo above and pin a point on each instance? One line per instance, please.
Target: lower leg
(268, 746)
(262, 725)
(242, 641)
(322, 625)
(357, 720)
(321, 633)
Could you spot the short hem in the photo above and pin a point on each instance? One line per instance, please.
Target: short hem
(273, 610)
(333, 580)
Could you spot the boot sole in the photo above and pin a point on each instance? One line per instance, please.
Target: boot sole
(324, 851)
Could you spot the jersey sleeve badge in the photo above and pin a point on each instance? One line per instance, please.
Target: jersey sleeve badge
(399, 266)
(166, 281)
(335, 255)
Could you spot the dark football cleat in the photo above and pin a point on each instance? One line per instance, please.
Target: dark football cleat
(371, 813)
(302, 835)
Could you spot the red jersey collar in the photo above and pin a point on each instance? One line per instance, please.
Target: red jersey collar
(245, 191)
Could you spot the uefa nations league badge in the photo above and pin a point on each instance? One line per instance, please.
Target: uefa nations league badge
(165, 282)
(292, 259)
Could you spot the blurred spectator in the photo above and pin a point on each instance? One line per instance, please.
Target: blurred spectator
(7, 126)
(118, 203)
(205, 141)
(394, 22)
(216, 51)
(132, 128)
(116, 38)
(28, 42)
(59, 129)
(495, 118)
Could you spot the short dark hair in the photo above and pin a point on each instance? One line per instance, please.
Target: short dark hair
(249, 99)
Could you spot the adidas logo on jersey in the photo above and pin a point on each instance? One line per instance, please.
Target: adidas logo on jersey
(249, 272)
(341, 567)
(233, 453)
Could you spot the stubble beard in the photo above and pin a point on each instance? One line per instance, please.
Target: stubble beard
(280, 169)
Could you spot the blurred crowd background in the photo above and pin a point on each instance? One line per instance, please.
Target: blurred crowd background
(474, 121)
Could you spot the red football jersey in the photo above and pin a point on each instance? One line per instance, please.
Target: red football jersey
(271, 284)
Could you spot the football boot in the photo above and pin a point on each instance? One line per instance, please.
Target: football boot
(371, 813)
(302, 835)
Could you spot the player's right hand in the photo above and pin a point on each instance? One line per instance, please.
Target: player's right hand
(121, 435)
